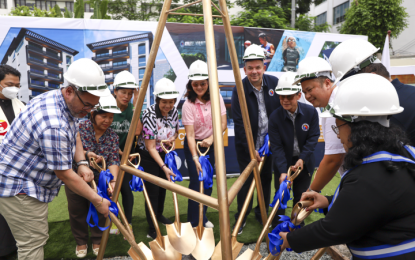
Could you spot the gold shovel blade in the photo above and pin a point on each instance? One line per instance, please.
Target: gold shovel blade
(185, 241)
(236, 248)
(144, 249)
(162, 254)
(205, 245)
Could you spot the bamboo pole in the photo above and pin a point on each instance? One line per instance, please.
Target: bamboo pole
(216, 16)
(183, 6)
(237, 185)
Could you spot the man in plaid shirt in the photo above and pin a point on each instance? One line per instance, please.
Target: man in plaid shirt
(37, 153)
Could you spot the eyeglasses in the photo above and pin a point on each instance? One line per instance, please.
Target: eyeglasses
(289, 97)
(86, 107)
(336, 128)
(195, 85)
(291, 40)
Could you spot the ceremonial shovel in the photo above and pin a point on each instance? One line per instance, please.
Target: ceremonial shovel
(205, 240)
(161, 248)
(181, 235)
(256, 255)
(139, 250)
(236, 246)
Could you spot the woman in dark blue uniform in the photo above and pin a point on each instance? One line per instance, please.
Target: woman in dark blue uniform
(372, 210)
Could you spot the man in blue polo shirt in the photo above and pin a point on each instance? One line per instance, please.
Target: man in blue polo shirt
(293, 132)
(261, 101)
(37, 154)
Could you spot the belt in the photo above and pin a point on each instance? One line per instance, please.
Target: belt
(384, 251)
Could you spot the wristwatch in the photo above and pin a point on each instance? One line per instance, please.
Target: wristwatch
(82, 162)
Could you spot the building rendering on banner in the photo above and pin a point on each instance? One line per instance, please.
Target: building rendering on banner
(128, 53)
(41, 62)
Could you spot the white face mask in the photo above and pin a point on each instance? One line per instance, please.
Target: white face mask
(10, 92)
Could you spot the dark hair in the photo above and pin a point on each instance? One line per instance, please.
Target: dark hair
(6, 69)
(371, 137)
(158, 100)
(93, 114)
(191, 94)
(376, 68)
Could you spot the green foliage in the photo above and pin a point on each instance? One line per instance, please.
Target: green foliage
(67, 13)
(374, 18)
(57, 11)
(302, 7)
(79, 9)
(100, 9)
(39, 13)
(141, 10)
(21, 10)
(254, 15)
(170, 75)
(307, 23)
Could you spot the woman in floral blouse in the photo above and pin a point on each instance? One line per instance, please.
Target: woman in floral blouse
(98, 140)
(160, 122)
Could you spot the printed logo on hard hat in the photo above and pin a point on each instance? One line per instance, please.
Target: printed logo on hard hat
(271, 92)
(3, 127)
(305, 127)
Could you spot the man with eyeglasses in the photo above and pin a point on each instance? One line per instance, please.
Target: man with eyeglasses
(37, 154)
(315, 76)
(293, 132)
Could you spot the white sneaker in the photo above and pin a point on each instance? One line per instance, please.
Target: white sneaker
(81, 253)
(209, 224)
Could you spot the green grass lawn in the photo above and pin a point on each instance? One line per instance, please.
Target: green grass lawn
(61, 244)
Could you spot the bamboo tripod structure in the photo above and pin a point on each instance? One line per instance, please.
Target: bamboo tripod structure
(222, 202)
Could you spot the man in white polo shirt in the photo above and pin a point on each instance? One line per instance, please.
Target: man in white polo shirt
(316, 80)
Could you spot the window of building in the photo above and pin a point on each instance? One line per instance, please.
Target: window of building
(3, 4)
(53, 64)
(104, 54)
(69, 6)
(339, 12)
(119, 63)
(68, 61)
(19, 2)
(321, 19)
(53, 85)
(40, 4)
(36, 93)
(37, 71)
(88, 8)
(141, 73)
(36, 58)
(142, 61)
(37, 82)
(119, 52)
(142, 49)
(53, 75)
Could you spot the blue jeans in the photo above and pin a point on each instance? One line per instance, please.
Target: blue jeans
(193, 206)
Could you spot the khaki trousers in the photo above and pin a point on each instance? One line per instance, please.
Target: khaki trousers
(28, 220)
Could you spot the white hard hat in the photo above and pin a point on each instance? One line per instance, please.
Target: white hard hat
(365, 96)
(87, 75)
(285, 84)
(312, 67)
(253, 52)
(125, 79)
(108, 104)
(165, 89)
(198, 70)
(351, 55)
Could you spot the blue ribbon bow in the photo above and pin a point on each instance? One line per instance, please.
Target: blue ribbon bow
(321, 211)
(207, 176)
(104, 178)
(264, 150)
(275, 240)
(278, 195)
(170, 162)
(136, 183)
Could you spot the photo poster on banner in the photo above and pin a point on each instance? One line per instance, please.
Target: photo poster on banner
(42, 49)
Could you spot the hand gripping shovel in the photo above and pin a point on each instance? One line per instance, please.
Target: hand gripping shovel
(140, 254)
(236, 246)
(181, 235)
(205, 239)
(161, 248)
(256, 255)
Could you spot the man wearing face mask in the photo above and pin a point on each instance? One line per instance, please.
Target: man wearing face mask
(10, 107)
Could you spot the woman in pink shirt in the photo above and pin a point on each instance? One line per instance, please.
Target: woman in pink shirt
(197, 121)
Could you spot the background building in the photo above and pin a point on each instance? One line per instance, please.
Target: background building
(126, 53)
(41, 62)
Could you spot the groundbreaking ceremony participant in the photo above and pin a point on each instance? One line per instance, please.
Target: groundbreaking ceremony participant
(316, 80)
(99, 141)
(197, 121)
(160, 122)
(10, 107)
(358, 56)
(372, 210)
(124, 87)
(37, 153)
(261, 101)
(293, 132)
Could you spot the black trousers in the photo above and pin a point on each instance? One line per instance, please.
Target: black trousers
(7, 242)
(300, 185)
(193, 206)
(127, 196)
(156, 194)
(266, 179)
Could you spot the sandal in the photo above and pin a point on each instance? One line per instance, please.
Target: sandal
(95, 251)
(82, 252)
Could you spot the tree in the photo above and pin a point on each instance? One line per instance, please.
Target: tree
(79, 9)
(308, 23)
(67, 13)
(21, 10)
(302, 7)
(374, 18)
(100, 9)
(142, 10)
(56, 11)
